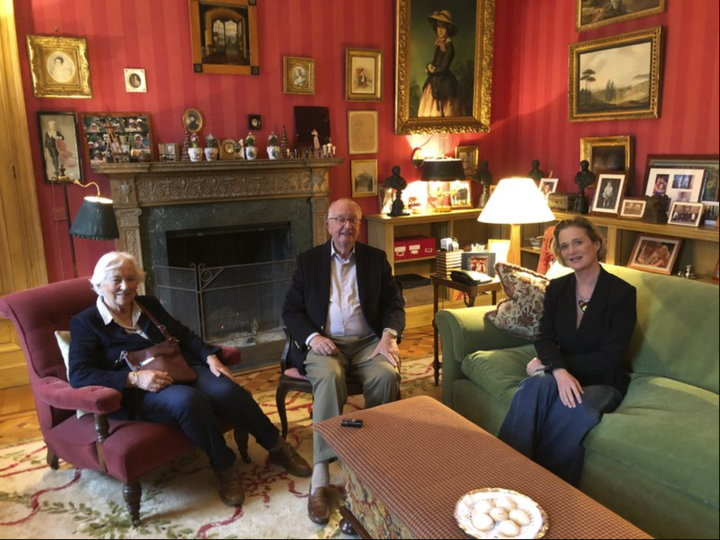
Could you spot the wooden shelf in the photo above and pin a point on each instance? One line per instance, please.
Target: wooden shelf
(402, 261)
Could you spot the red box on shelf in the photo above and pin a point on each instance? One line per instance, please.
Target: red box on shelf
(414, 247)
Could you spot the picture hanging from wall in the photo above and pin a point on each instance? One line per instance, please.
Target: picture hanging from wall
(596, 13)
(362, 132)
(59, 66)
(59, 141)
(135, 80)
(298, 75)
(363, 75)
(607, 154)
(117, 137)
(364, 173)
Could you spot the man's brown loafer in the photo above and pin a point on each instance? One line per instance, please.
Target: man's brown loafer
(286, 456)
(319, 505)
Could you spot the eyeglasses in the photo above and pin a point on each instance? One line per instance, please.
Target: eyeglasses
(343, 220)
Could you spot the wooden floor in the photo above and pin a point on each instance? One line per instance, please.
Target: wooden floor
(17, 424)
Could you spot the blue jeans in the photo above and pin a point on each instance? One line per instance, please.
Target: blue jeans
(539, 426)
(196, 407)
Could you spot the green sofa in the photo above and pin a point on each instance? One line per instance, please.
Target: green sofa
(654, 460)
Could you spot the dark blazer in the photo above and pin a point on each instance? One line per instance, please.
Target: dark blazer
(95, 347)
(595, 352)
(308, 300)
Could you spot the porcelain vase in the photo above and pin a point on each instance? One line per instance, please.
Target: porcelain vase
(211, 153)
(195, 153)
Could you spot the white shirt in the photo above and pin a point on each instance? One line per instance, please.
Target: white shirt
(108, 317)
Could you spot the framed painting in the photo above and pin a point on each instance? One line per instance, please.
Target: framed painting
(192, 120)
(59, 141)
(362, 132)
(117, 137)
(135, 80)
(633, 208)
(655, 254)
(681, 185)
(709, 162)
(224, 37)
(686, 214)
(363, 75)
(616, 78)
(469, 155)
(607, 154)
(596, 13)
(364, 173)
(444, 66)
(608, 194)
(479, 261)
(60, 67)
(298, 75)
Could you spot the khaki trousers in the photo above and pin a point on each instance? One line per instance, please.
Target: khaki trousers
(380, 380)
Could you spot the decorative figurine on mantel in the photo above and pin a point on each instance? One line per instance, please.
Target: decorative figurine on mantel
(284, 144)
(184, 156)
(583, 179)
(535, 173)
(273, 150)
(398, 183)
(251, 151)
(316, 143)
(240, 149)
(484, 177)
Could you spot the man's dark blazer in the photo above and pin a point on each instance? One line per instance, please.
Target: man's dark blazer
(308, 300)
(595, 352)
(95, 346)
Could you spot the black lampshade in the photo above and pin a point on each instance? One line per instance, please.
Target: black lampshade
(95, 220)
(442, 170)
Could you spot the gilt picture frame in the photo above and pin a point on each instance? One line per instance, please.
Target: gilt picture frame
(608, 154)
(470, 156)
(60, 67)
(364, 174)
(363, 74)
(466, 90)
(363, 132)
(298, 75)
(594, 14)
(60, 146)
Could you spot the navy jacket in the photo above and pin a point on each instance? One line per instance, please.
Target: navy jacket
(595, 352)
(308, 300)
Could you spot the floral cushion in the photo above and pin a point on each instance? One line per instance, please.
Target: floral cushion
(519, 314)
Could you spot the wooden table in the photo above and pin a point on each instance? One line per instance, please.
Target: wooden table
(470, 293)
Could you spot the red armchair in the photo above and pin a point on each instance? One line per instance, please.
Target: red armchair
(123, 449)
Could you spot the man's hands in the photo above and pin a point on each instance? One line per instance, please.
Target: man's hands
(150, 380)
(568, 387)
(388, 347)
(218, 368)
(323, 346)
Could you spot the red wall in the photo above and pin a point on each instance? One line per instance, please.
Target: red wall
(529, 95)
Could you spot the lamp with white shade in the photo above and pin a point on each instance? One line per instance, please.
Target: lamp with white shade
(515, 202)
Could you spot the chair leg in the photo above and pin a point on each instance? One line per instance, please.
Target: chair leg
(52, 459)
(241, 439)
(280, 396)
(132, 493)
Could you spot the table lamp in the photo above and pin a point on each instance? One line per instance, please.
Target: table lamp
(516, 201)
(442, 170)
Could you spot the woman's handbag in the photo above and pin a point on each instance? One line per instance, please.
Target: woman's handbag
(165, 356)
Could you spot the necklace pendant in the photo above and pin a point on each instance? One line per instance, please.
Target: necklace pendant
(583, 305)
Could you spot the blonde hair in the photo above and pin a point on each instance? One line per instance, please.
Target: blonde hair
(590, 229)
(111, 261)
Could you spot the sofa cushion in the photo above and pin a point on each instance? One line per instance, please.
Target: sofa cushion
(63, 341)
(498, 371)
(667, 430)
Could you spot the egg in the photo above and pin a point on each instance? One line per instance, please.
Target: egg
(499, 514)
(520, 517)
(483, 507)
(483, 522)
(509, 528)
(506, 503)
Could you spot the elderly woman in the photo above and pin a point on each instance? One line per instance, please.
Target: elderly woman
(579, 372)
(123, 321)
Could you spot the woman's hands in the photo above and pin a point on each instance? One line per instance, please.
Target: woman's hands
(218, 368)
(534, 366)
(149, 380)
(568, 387)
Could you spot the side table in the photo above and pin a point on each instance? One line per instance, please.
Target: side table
(470, 292)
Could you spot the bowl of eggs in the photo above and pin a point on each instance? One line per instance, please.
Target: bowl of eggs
(500, 513)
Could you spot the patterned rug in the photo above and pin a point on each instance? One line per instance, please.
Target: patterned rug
(179, 500)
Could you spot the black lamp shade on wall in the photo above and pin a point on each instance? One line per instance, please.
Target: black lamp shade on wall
(95, 220)
(442, 170)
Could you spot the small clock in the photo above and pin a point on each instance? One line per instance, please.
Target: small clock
(227, 149)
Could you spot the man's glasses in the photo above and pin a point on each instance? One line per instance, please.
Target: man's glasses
(343, 220)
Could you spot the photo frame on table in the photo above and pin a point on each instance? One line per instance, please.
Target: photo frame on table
(169, 152)
(655, 254)
(362, 132)
(117, 137)
(59, 66)
(709, 162)
(470, 156)
(682, 185)
(616, 78)
(135, 80)
(298, 75)
(633, 208)
(685, 214)
(60, 145)
(608, 154)
(479, 261)
(593, 14)
(609, 192)
(548, 186)
(364, 177)
(224, 37)
(466, 90)
(711, 211)
(460, 194)
(363, 74)
(500, 247)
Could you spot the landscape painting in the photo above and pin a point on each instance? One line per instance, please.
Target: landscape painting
(595, 13)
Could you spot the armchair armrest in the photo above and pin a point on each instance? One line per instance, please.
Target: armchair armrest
(95, 399)
(230, 356)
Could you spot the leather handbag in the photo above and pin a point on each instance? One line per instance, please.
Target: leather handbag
(165, 356)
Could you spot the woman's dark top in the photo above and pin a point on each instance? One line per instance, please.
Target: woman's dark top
(443, 82)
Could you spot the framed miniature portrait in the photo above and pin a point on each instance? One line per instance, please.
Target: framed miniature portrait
(655, 254)
(682, 185)
(364, 174)
(363, 132)
(616, 78)
(298, 75)
(117, 137)
(482, 261)
(685, 214)
(135, 80)
(594, 13)
(469, 155)
(59, 141)
(608, 194)
(59, 66)
(225, 37)
(363, 75)
(168, 152)
(460, 194)
(633, 208)
(548, 186)
(192, 120)
(607, 154)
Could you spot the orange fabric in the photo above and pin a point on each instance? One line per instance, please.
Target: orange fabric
(546, 253)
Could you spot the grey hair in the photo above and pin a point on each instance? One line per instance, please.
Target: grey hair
(111, 261)
(348, 201)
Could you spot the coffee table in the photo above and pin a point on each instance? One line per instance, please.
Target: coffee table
(413, 460)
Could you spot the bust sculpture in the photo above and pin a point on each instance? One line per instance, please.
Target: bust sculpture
(398, 183)
(535, 173)
(484, 177)
(584, 178)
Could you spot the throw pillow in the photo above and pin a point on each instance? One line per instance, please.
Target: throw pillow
(520, 313)
(63, 341)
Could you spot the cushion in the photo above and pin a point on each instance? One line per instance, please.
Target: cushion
(499, 371)
(520, 313)
(63, 341)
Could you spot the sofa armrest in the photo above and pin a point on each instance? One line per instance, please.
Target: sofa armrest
(464, 331)
(94, 399)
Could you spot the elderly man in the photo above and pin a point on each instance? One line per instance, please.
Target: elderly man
(345, 314)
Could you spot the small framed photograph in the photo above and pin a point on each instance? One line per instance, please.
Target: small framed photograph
(608, 194)
(60, 67)
(299, 75)
(362, 132)
(363, 75)
(681, 185)
(686, 214)
(479, 261)
(460, 194)
(655, 254)
(548, 186)
(633, 208)
(117, 137)
(364, 173)
(59, 140)
(500, 248)
(135, 80)
(710, 214)
(192, 120)
(469, 155)
(168, 152)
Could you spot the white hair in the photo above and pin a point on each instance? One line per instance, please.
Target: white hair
(348, 201)
(111, 261)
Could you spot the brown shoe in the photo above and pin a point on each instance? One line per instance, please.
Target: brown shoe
(319, 505)
(231, 489)
(293, 462)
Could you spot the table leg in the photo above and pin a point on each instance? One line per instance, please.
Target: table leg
(436, 352)
(351, 523)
